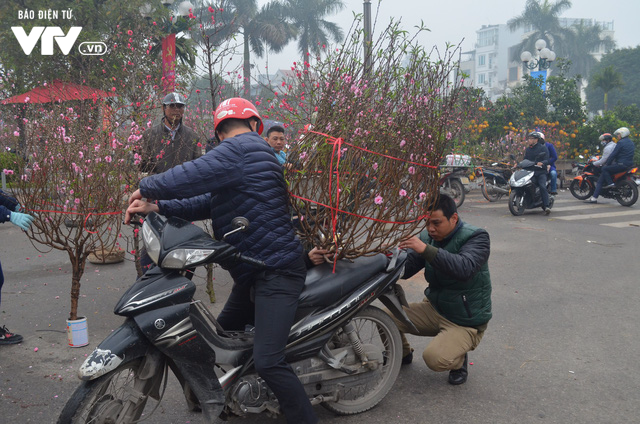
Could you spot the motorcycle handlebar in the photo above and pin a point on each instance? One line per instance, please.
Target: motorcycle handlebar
(251, 261)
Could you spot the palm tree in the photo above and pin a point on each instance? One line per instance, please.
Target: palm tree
(607, 80)
(585, 38)
(259, 27)
(542, 18)
(308, 16)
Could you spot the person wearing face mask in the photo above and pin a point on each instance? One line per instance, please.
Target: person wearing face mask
(170, 142)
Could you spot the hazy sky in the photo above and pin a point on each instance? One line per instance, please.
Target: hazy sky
(453, 20)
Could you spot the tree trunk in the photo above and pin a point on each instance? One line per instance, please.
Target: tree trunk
(606, 100)
(78, 261)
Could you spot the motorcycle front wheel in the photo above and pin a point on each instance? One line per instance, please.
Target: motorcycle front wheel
(374, 328)
(455, 189)
(581, 190)
(516, 204)
(119, 396)
(627, 193)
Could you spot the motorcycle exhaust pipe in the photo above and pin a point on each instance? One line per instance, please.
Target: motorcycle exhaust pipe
(498, 189)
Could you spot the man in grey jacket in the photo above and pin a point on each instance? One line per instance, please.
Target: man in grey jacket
(169, 143)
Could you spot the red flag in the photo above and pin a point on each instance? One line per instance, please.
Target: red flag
(169, 62)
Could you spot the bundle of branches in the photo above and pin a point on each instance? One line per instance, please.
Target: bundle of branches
(365, 172)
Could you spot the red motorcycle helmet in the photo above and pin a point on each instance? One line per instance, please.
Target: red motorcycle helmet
(237, 108)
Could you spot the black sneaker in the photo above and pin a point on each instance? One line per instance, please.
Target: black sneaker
(459, 376)
(7, 337)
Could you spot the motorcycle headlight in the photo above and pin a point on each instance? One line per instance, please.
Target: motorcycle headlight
(520, 182)
(151, 242)
(182, 258)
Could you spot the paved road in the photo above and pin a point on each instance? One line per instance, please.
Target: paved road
(561, 348)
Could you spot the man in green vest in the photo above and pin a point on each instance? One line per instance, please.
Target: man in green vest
(457, 306)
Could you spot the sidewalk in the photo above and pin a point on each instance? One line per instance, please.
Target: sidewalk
(39, 375)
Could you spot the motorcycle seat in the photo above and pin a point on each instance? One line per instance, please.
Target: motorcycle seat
(322, 287)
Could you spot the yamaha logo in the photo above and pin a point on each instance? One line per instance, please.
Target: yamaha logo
(159, 324)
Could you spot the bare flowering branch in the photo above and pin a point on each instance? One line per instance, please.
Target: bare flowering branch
(365, 168)
(81, 155)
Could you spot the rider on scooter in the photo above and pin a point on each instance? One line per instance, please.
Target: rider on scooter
(537, 152)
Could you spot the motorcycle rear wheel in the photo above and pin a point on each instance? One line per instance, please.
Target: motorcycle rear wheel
(102, 401)
(581, 190)
(515, 207)
(627, 193)
(373, 327)
(490, 194)
(455, 189)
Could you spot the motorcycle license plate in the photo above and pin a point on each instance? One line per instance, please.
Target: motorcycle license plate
(464, 180)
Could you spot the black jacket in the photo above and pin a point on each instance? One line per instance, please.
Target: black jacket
(240, 177)
(538, 153)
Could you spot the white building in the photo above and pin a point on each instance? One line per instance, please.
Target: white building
(493, 67)
(490, 66)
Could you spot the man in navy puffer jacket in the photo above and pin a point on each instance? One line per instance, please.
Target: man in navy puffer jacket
(242, 177)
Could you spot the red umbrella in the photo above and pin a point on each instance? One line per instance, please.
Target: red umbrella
(58, 91)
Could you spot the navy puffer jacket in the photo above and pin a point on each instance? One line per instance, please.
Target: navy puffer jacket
(240, 177)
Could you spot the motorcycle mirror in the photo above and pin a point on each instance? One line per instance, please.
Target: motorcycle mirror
(239, 224)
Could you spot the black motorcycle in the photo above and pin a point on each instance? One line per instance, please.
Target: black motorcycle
(495, 181)
(346, 352)
(452, 183)
(525, 193)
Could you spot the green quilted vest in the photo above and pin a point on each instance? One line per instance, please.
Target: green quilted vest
(466, 303)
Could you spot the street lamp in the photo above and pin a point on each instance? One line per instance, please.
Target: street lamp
(368, 39)
(545, 57)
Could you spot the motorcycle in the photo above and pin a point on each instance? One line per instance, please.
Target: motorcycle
(451, 183)
(346, 352)
(625, 191)
(495, 181)
(525, 194)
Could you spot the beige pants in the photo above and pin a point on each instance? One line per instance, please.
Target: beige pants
(450, 341)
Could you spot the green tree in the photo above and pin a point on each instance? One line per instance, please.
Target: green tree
(542, 17)
(606, 80)
(624, 61)
(582, 39)
(563, 95)
(314, 31)
(259, 27)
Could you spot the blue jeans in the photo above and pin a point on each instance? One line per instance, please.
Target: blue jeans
(608, 170)
(272, 313)
(541, 181)
(553, 176)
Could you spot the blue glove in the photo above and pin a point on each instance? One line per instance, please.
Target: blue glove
(22, 220)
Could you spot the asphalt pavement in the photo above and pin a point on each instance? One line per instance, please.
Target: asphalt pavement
(561, 348)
